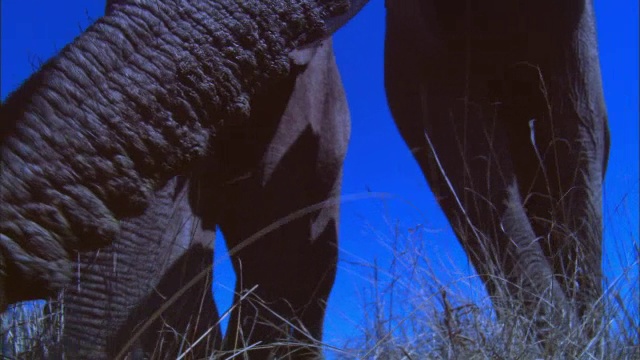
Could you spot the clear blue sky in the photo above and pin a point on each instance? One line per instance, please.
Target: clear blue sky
(34, 30)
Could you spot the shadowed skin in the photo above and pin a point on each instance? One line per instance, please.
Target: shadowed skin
(289, 162)
(501, 104)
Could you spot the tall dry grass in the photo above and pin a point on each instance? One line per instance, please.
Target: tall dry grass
(408, 312)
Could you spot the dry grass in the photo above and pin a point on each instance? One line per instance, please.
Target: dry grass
(31, 330)
(408, 312)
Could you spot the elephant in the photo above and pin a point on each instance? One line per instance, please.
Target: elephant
(97, 192)
(299, 145)
(121, 286)
(500, 104)
(502, 107)
(219, 156)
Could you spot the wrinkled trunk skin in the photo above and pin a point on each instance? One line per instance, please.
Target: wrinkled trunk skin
(154, 90)
(117, 289)
(255, 176)
(293, 148)
(501, 104)
(131, 103)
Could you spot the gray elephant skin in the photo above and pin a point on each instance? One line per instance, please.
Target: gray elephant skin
(244, 179)
(128, 122)
(117, 289)
(500, 104)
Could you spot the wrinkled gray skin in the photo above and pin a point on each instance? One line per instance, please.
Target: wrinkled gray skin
(197, 90)
(501, 104)
(298, 148)
(120, 287)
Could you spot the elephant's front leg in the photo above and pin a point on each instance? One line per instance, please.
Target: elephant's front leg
(284, 280)
(287, 167)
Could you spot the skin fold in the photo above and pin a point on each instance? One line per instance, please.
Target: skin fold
(119, 288)
(59, 194)
(297, 149)
(139, 114)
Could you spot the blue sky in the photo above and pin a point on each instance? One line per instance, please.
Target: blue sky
(34, 30)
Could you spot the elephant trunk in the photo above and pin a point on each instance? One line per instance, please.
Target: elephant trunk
(132, 102)
(120, 287)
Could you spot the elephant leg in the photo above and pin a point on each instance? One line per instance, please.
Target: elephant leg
(444, 68)
(288, 165)
(284, 280)
(565, 208)
(561, 171)
(119, 289)
(476, 187)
